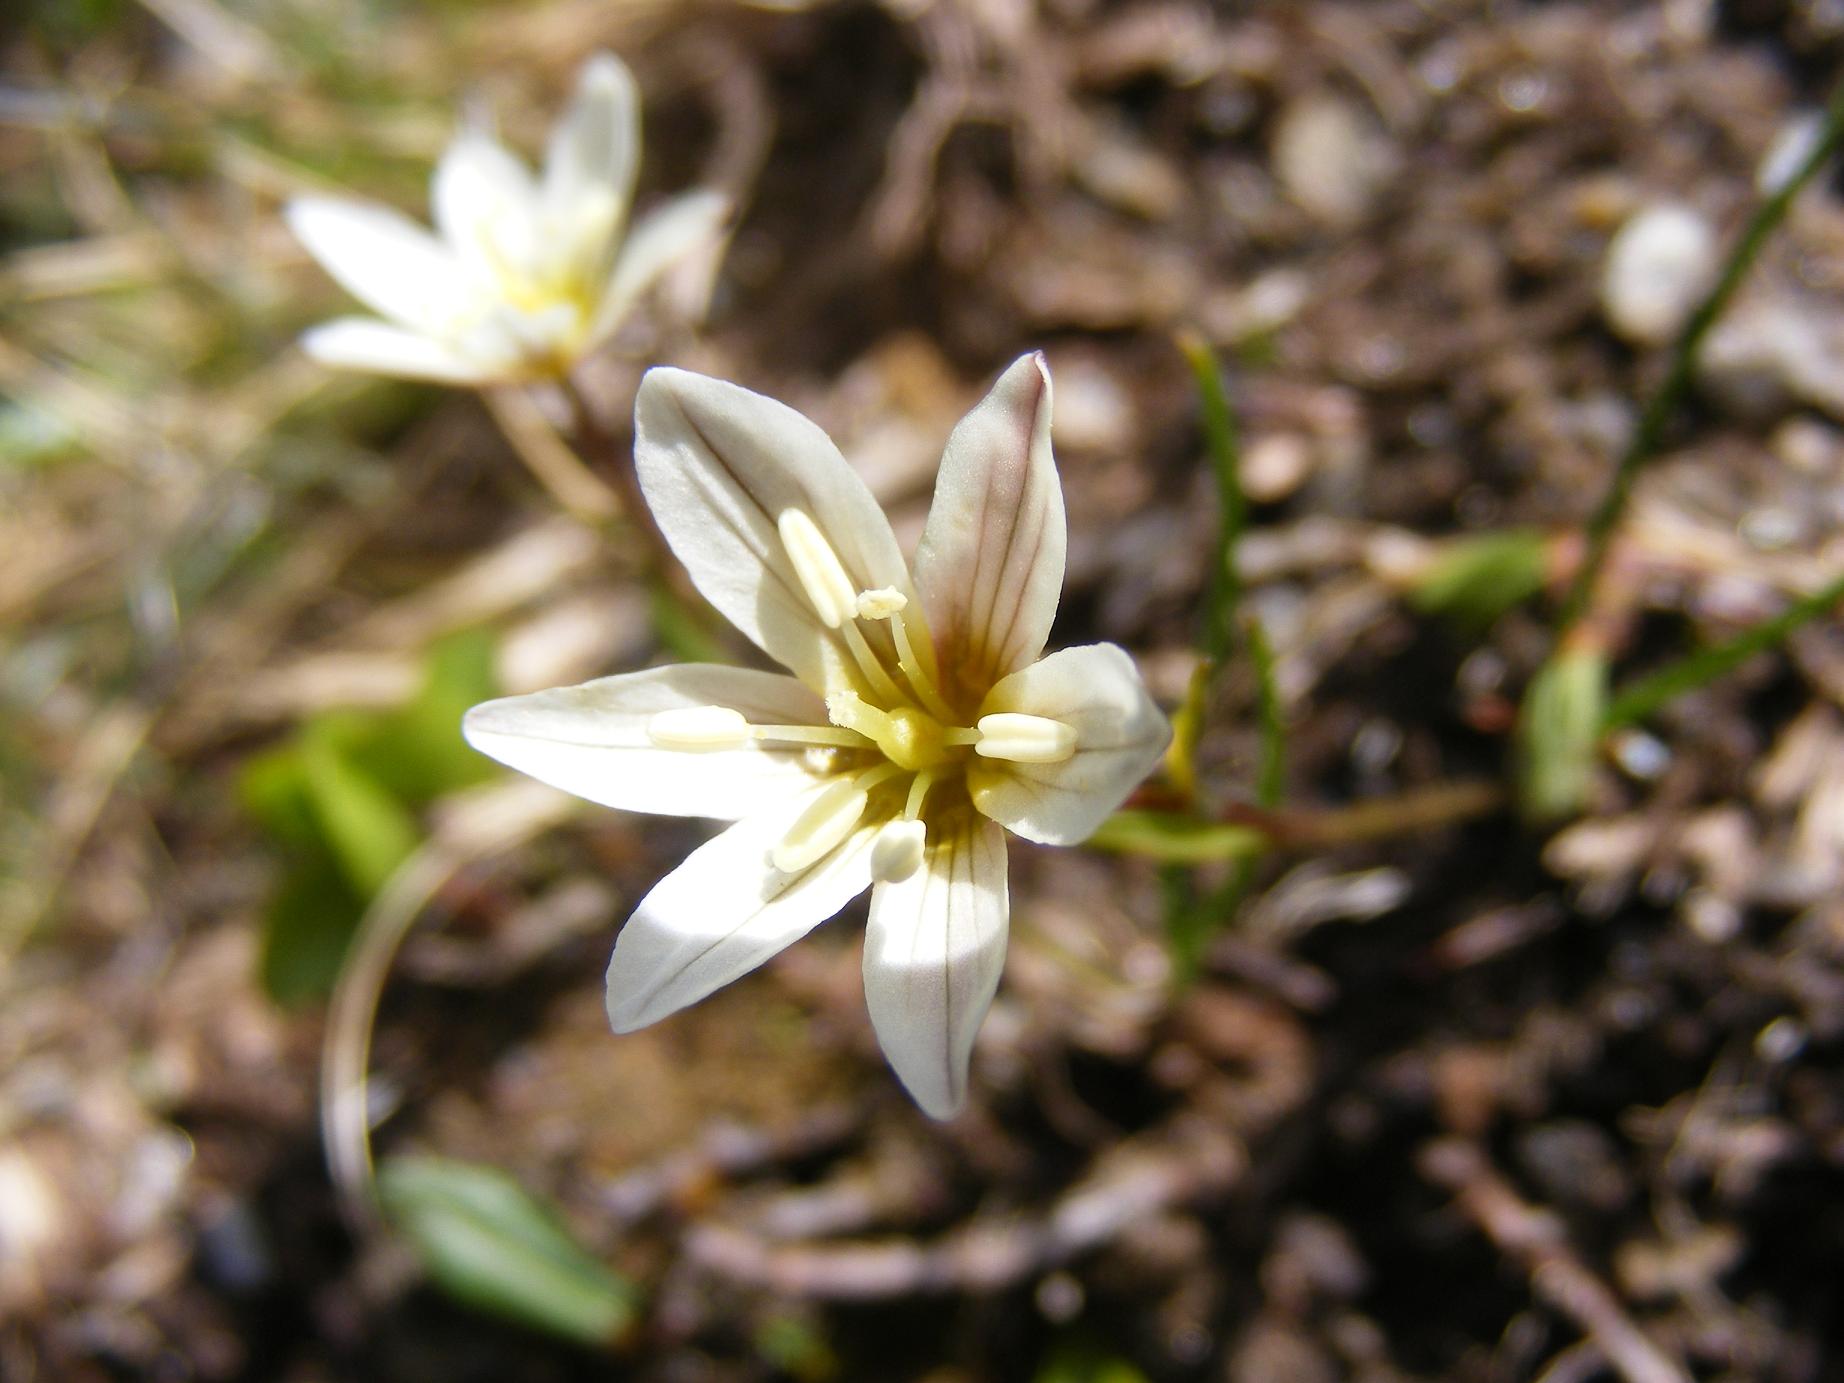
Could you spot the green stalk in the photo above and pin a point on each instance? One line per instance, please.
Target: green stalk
(1271, 777)
(1699, 669)
(1223, 593)
(1669, 396)
(1189, 923)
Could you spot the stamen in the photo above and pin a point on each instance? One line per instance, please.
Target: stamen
(852, 711)
(891, 604)
(918, 790)
(699, 729)
(915, 632)
(833, 594)
(869, 665)
(913, 669)
(828, 819)
(1025, 739)
(877, 773)
(897, 851)
(836, 736)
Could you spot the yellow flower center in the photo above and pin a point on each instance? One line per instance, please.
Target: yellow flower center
(893, 734)
(559, 262)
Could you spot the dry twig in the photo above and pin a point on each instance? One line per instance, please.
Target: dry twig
(1189, 1161)
(1535, 1240)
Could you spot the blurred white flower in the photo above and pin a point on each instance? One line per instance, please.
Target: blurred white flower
(525, 274)
(920, 720)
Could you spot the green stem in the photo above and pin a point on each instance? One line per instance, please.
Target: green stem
(613, 458)
(1223, 592)
(1669, 396)
(1645, 696)
(1216, 909)
(1271, 777)
(1185, 838)
(1190, 921)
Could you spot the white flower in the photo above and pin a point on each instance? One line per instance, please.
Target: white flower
(919, 721)
(525, 274)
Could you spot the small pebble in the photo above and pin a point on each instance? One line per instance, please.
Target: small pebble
(1781, 1040)
(1331, 159)
(1791, 147)
(1523, 92)
(1659, 265)
(1711, 918)
(1060, 1298)
(1641, 756)
(1274, 466)
(1770, 528)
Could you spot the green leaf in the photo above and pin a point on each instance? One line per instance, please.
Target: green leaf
(339, 798)
(310, 920)
(684, 629)
(417, 752)
(274, 790)
(1558, 733)
(308, 926)
(795, 1347)
(1646, 696)
(31, 437)
(488, 1242)
(1176, 838)
(74, 22)
(1475, 580)
(1084, 1363)
(369, 831)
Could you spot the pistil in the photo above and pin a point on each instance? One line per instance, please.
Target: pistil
(907, 736)
(912, 667)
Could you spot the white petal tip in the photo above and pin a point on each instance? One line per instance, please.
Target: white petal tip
(376, 347)
(603, 69)
(624, 1019)
(1029, 371)
(940, 1111)
(303, 211)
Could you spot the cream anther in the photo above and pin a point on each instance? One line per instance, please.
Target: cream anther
(881, 603)
(828, 820)
(1025, 739)
(830, 591)
(697, 729)
(897, 851)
